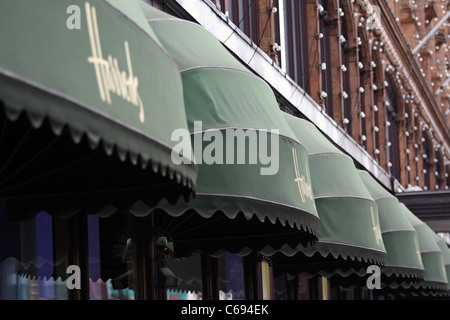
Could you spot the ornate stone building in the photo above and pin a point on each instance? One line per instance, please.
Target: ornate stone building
(355, 60)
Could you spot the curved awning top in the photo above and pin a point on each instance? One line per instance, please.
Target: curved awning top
(107, 78)
(435, 277)
(400, 239)
(445, 256)
(349, 229)
(248, 157)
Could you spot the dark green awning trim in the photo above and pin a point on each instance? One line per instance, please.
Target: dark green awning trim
(349, 231)
(58, 75)
(224, 95)
(400, 239)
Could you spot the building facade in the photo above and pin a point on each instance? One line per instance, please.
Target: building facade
(354, 59)
(94, 185)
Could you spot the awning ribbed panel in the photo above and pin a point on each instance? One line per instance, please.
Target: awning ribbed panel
(107, 79)
(223, 98)
(349, 232)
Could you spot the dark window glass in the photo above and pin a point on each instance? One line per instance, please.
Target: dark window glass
(111, 258)
(392, 130)
(362, 98)
(296, 51)
(245, 15)
(28, 260)
(346, 75)
(377, 120)
(231, 277)
(189, 278)
(440, 179)
(324, 23)
(426, 160)
(447, 175)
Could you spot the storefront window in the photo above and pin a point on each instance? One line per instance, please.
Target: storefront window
(231, 277)
(27, 259)
(189, 278)
(111, 273)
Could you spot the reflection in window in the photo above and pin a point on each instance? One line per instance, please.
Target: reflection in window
(110, 258)
(27, 261)
(245, 15)
(291, 287)
(189, 278)
(231, 277)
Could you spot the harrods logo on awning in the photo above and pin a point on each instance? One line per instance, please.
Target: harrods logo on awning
(110, 78)
(304, 187)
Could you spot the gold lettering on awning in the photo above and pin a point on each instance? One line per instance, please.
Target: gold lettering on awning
(376, 228)
(304, 187)
(110, 79)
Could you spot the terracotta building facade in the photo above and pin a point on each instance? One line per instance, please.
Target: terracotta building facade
(355, 60)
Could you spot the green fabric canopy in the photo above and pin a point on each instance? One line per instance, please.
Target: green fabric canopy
(349, 234)
(108, 79)
(445, 256)
(435, 278)
(268, 209)
(403, 258)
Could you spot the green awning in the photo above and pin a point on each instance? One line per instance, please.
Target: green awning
(110, 81)
(237, 208)
(349, 234)
(445, 256)
(403, 258)
(435, 278)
